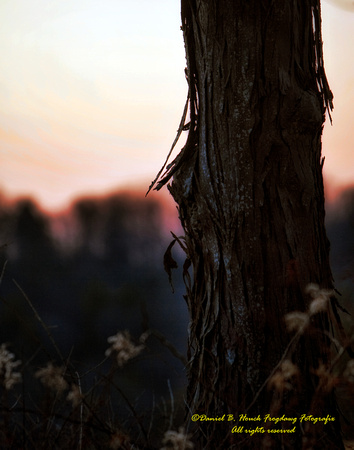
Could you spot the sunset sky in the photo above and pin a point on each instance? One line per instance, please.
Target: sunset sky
(91, 94)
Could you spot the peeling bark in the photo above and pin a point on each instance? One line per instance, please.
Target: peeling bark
(250, 193)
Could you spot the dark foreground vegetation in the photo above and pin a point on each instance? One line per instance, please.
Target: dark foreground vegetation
(93, 339)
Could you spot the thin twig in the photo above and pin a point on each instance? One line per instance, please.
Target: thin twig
(172, 404)
(170, 346)
(81, 411)
(131, 407)
(93, 369)
(3, 271)
(38, 317)
(296, 337)
(28, 330)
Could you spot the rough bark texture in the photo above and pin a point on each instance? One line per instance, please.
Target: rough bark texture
(250, 193)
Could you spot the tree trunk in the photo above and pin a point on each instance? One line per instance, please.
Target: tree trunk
(250, 193)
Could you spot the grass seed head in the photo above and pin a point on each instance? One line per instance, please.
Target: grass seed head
(52, 377)
(177, 440)
(123, 347)
(8, 376)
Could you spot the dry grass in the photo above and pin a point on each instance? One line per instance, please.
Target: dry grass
(53, 406)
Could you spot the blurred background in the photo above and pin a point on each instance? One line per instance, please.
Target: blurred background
(91, 95)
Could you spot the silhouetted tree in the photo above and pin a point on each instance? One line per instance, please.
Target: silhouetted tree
(35, 259)
(249, 187)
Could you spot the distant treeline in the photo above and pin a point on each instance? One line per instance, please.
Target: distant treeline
(98, 268)
(90, 272)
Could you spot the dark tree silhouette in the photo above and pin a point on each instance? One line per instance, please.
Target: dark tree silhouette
(249, 187)
(33, 248)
